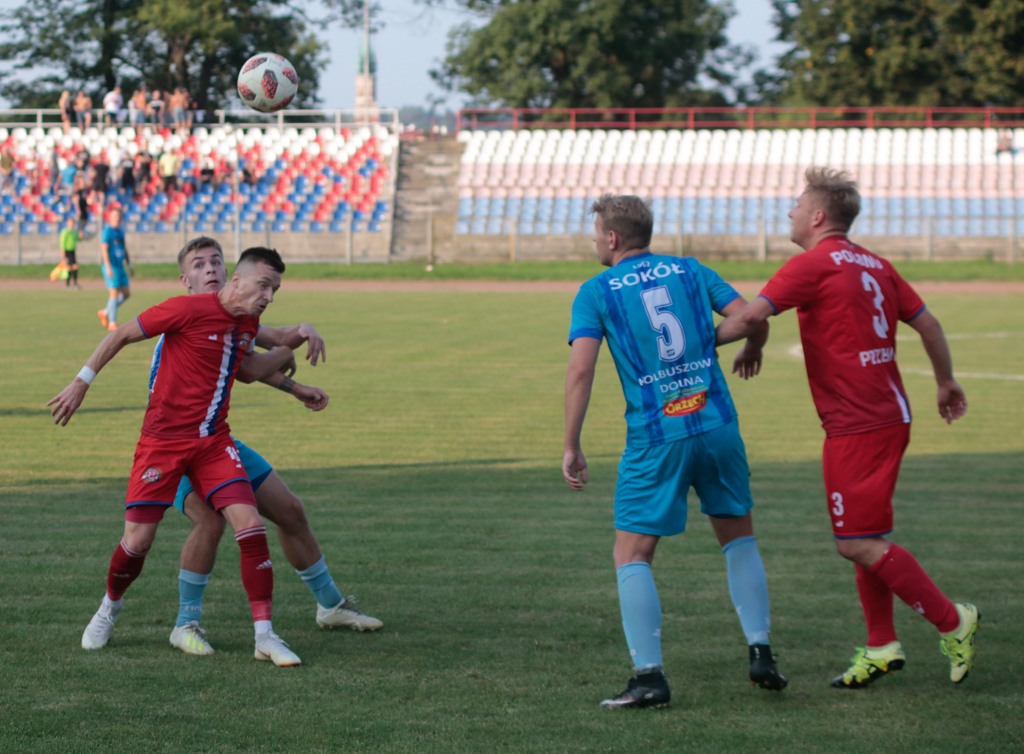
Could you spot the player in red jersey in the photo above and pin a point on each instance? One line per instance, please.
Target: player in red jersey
(185, 430)
(848, 302)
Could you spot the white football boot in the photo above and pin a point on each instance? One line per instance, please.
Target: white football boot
(346, 615)
(272, 648)
(97, 633)
(191, 639)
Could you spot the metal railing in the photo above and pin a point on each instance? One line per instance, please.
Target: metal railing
(739, 117)
(338, 119)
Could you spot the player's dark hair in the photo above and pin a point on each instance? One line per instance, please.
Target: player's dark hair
(269, 257)
(202, 242)
(629, 216)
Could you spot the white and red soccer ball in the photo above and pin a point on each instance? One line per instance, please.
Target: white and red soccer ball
(267, 82)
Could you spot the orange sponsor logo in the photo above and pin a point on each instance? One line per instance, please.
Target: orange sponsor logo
(691, 404)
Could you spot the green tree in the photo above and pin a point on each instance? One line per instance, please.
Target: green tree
(593, 53)
(902, 52)
(198, 44)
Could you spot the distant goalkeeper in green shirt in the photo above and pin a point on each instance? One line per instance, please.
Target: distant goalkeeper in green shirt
(68, 245)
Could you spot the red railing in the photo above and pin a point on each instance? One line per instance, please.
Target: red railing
(740, 117)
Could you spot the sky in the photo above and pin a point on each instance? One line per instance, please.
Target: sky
(413, 41)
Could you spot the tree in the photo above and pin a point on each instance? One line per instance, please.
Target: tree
(197, 44)
(593, 53)
(902, 52)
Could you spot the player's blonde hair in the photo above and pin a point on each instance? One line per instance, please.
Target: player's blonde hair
(629, 216)
(837, 192)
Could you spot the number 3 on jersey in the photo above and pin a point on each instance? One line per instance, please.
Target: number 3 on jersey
(671, 338)
(879, 321)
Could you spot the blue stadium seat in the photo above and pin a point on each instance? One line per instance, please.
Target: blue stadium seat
(258, 226)
(496, 226)
(160, 227)
(44, 228)
(373, 227)
(316, 227)
(200, 227)
(479, 226)
(465, 207)
(357, 214)
(221, 227)
(461, 227)
(6, 229)
(279, 226)
(143, 227)
(357, 226)
(280, 215)
(298, 227)
(338, 226)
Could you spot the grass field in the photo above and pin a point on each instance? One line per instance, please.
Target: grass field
(433, 483)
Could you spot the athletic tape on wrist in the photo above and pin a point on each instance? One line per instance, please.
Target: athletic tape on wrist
(87, 375)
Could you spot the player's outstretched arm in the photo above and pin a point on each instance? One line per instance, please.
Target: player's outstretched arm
(312, 398)
(748, 359)
(261, 366)
(951, 399)
(293, 337)
(749, 321)
(70, 398)
(579, 380)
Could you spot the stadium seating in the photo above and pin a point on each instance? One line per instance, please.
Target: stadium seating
(948, 182)
(310, 179)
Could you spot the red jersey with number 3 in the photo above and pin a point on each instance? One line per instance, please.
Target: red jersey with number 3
(202, 348)
(848, 302)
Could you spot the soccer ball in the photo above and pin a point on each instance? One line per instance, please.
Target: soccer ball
(267, 82)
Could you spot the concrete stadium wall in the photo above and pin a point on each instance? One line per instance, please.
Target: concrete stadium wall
(164, 247)
(500, 248)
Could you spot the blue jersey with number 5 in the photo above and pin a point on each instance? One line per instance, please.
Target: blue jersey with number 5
(657, 314)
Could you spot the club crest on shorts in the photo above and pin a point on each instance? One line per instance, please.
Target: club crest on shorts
(152, 474)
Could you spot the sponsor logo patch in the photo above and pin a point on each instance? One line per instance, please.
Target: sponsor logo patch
(691, 404)
(152, 474)
(245, 340)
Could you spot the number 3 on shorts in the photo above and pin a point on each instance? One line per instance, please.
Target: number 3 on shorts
(837, 504)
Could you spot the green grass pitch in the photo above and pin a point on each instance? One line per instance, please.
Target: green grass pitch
(433, 483)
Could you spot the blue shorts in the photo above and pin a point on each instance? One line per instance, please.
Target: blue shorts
(119, 279)
(256, 467)
(650, 497)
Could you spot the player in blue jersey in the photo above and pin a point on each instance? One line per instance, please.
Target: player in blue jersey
(115, 256)
(657, 315)
(203, 271)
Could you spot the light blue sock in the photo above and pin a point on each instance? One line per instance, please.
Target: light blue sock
(320, 583)
(190, 595)
(641, 614)
(748, 587)
(111, 310)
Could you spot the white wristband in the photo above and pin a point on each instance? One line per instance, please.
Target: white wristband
(87, 375)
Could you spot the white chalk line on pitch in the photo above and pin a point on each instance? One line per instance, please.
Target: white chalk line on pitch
(796, 351)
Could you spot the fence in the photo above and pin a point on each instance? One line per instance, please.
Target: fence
(739, 117)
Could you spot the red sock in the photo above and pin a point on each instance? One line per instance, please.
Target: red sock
(257, 570)
(876, 601)
(908, 581)
(125, 567)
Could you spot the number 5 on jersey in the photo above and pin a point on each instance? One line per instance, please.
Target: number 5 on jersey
(671, 338)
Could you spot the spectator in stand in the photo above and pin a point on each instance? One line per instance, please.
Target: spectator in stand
(100, 181)
(207, 173)
(143, 172)
(1005, 142)
(190, 110)
(30, 166)
(155, 107)
(113, 102)
(169, 165)
(54, 171)
(6, 170)
(67, 110)
(82, 189)
(83, 109)
(137, 106)
(126, 168)
(179, 102)
(67, 187)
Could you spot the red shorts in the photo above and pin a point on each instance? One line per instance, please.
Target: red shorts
(211, 463)
(860, 477)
